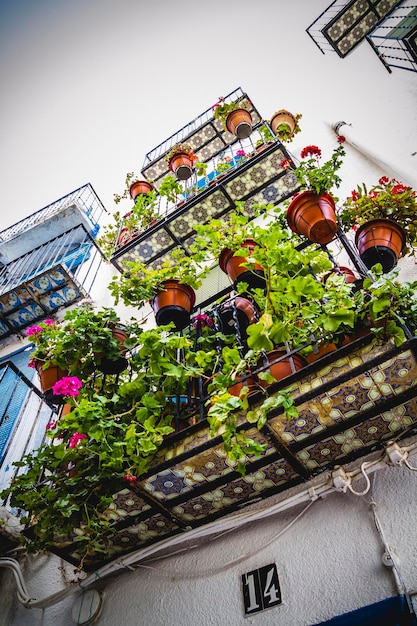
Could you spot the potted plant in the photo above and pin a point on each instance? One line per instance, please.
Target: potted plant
(295, 306)
(285, 125)
(312, 212)
(86, 340)
(388, 306)
(385, 220)
(100, 446)
(234, 116)
(123, 228)
(181, 159)
(223, 239)
(169, 288)
(133, 187)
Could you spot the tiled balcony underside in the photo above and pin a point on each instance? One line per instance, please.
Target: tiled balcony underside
(259, 181)
(350, 402)
(354, 22)
(36, 298)
(206, 142)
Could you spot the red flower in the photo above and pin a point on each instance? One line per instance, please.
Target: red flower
(400, 188)
(310, 151)
(285, 164)
(130, 478)
(373, 194)
(341, 139)
(355, 195)
(383, 180)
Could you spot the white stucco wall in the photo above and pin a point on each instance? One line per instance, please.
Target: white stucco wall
(329, 562)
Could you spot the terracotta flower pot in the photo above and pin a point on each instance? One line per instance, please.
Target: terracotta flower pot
(243, 381)
(313, 216)
(139, 187)
(283, 117)
(231, 265)
(48, 377)
(380, 241)
(109, 366)
(322, 349)
(235, 315)
(284, 367)
(181, 164)
(174, 304)
(346, 272)
(239, 123)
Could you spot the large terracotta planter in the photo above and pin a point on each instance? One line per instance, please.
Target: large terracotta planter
(231, 265)
(244, 381)
(174, 304)
(239, 123)
(235, 315)
(284, 367)
(139, 187)
(181, 164)
(380, 241)
(109, 366)
(313, 216)
(48, 377)
(283, 117)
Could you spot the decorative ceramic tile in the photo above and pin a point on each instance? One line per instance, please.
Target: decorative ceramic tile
(25, 315)
(13, 299)
(346, 400)
(126, 503)
(196, 471)
(4, 329)
(148, 248)
(364, 435)
(242, 489)
(201, 212)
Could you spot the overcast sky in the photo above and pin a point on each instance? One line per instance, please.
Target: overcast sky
(89, 86)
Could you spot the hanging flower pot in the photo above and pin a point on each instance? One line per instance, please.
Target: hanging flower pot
(174, 304)
(235, 315)
(281, 366)
(116, 366)
(380, 241)
(284, 124)
(346, 272)
(231, 265)
(139, 187)
(313, 216)
(181, 164)
(48, 377)
(239, 123)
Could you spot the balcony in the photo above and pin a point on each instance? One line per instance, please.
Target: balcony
(350, 402)
(395, 40)
(344, 24)
(49, 260)
(256, 179)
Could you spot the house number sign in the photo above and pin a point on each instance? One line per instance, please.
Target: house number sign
(261, 589)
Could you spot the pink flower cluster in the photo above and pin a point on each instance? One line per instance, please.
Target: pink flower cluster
(240, 153)
(203, 321)
(75, 439)
(35, 330)
(67, 386)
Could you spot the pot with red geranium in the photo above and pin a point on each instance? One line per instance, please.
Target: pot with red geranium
(385, 216)
(312, 212)
(235, 117)
(181, 159)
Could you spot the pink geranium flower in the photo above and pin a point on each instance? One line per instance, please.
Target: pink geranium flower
(67, 386)
(75, 439)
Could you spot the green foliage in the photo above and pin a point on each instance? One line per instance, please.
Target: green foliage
(319, 178)
(389, 199)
